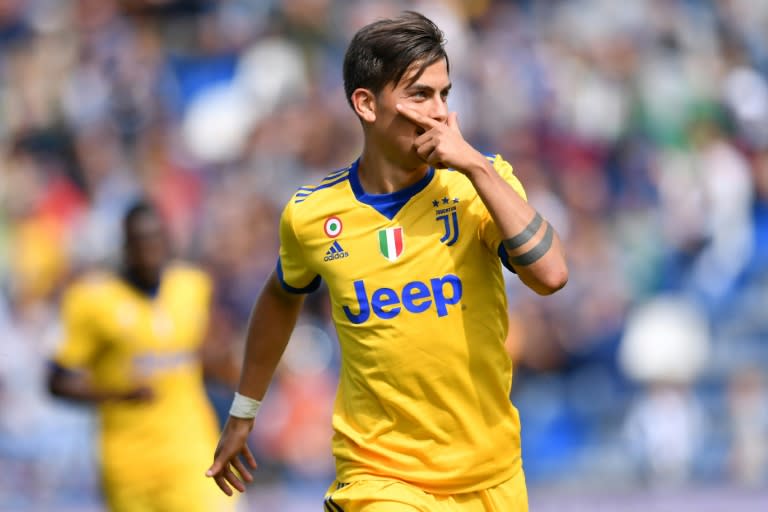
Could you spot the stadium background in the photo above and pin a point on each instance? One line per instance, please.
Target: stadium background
(640, 129)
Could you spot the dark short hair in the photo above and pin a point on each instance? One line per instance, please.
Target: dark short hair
(382, 52)
(138, 208)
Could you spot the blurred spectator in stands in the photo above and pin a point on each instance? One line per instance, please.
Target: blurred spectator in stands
(664, 349)
(748, 418)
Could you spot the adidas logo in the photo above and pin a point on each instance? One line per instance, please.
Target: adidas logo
(335, 252)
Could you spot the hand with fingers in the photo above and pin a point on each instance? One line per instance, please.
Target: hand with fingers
(227, 468)
(442, 144)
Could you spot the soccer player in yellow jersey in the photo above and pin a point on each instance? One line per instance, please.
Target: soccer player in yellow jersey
(410, 239)
(131, 343)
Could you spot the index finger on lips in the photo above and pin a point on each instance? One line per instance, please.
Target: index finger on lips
(424, 138)
(415, 117)
(426, 149)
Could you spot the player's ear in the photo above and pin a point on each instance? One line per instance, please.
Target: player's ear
(364, 103)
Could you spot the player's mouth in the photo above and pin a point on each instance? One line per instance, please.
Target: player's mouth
(420, 131)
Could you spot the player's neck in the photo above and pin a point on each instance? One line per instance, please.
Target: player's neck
(147, 285)
(380, 175)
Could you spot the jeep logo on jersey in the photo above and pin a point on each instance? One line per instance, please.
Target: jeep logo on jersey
(391, 243)
(415, 297)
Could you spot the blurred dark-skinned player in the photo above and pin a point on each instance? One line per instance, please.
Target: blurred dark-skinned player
(132, 345)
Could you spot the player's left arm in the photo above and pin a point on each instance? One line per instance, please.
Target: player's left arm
(532, 245)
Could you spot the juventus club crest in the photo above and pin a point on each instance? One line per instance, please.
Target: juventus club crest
(446, 213)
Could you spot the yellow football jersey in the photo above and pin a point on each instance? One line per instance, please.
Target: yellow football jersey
(419, 305)
(123, 338)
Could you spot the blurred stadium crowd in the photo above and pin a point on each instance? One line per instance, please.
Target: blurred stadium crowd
(640, 129)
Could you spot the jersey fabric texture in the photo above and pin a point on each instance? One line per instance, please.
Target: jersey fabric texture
(153, 454)
(419, 305)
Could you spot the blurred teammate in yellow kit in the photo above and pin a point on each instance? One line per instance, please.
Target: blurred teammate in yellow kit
(410, 239)
(131, 345)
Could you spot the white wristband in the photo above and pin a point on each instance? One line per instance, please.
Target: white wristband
(244, 407)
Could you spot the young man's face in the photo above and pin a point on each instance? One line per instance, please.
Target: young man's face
(427, 95)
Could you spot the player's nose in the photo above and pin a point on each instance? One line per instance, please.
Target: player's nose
(439, 110)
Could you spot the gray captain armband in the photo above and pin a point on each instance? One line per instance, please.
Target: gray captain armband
(537, 252)
(244, 407)
(526, 234)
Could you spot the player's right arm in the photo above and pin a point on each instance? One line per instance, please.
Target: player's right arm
(269, 329)
(76, 385)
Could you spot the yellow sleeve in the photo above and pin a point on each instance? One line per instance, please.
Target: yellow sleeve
(80, 343)
(292, 270)
(489, 232)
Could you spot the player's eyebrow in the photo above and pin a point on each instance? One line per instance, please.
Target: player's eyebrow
(419, 87)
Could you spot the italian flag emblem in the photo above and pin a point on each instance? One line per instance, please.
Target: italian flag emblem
(391, 243)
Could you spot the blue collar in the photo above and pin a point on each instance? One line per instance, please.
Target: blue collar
(387, 204)
(150, 290)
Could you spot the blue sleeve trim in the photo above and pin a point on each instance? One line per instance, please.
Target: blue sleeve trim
(311, 287)
(504, 257)
(304, 192)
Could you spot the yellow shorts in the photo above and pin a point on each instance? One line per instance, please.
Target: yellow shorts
(396, 496)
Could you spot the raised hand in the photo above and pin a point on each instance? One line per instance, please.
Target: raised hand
(442, 144)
